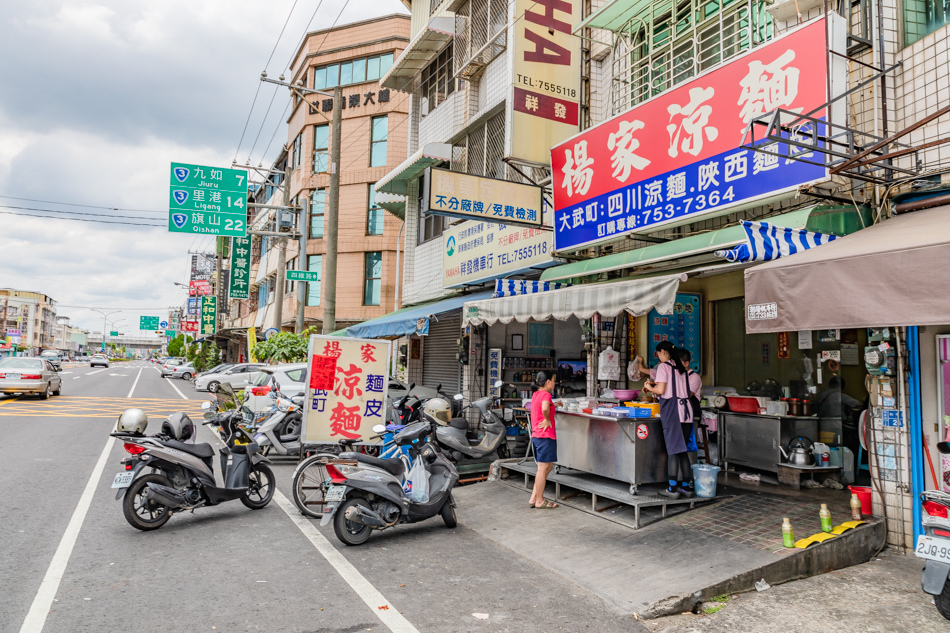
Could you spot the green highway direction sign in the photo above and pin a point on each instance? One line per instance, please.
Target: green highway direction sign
(303, 275)
(113, 333)
(148, 323)
(171, 333)
(207, 200)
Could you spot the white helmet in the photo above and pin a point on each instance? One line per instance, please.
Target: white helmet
(439, 410)
(132, 421)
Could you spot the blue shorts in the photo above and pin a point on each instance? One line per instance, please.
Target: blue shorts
(545, 450)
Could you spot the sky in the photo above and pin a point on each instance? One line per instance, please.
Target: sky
(97, 99)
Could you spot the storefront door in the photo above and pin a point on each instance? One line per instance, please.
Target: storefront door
(439, 363)
(943, 408)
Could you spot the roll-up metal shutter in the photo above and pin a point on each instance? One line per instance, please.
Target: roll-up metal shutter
(439, 364)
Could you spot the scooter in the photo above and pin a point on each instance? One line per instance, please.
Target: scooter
(181, 475)
(280, 432)
(934, 547)
(490, 437)
(366, 493)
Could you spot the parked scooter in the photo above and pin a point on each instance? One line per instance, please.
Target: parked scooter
(455, 437)
(180, 473)
(934, 547)
(366, 493)
(280, 432)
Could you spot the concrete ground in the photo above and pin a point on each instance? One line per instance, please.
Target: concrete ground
(880, 595)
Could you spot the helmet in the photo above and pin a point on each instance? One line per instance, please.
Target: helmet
(179, 426)
(439, 410)
(132, 421)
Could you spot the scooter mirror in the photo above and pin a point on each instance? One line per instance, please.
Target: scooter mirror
(206, 405)
(499, 383)
(379, 428)
(458, 396)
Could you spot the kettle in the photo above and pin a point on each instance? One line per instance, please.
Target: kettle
(798, 452)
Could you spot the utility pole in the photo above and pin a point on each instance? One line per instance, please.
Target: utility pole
(282, 253)
(333, 213)
(302, 286)
(218, 250)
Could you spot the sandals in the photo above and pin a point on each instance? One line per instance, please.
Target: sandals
(547, 505)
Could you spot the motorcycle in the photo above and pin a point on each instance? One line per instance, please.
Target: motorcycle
(934, 547)
(490, 437)
(280, 432)
(366, 493)
(180, 474)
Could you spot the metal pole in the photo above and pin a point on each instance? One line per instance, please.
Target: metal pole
(302, 286)
(218, 252)
(282, 256)
(329, 300)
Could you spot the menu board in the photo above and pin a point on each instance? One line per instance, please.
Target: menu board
(682, 327)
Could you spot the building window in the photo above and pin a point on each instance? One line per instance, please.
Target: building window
(430, 226)
(923, 18)
(314, 264)
(671, 42)
(376, 217)
(373, 274)
(317, 209)
(296, 151)
(380, 132)
(437, 82)
(480, 153)
(321, 146)
(355, 71)
(262, 295)
(481, 35)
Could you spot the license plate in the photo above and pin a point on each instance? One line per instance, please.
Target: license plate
(13, 376)
(931, 548)
(123, 479)
(335, 493)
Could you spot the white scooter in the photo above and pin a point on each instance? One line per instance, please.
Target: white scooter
(280, 432)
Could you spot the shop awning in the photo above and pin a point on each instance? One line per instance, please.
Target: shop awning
(392, 203)
(419, 53)
(397, 181)
(412, 320)
(607, 299)
(824, 219)
(613, 15)
(514, 287)
(893, 273)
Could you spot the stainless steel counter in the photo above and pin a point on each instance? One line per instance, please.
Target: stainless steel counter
(753, 440)
(612, 447)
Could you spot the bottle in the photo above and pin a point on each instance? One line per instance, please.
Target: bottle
(855, 507)
(788, 538)
(825, 515)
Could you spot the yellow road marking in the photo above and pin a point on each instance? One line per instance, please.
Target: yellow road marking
(10, 400)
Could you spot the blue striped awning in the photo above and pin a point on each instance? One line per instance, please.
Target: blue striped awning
(513, 287)
(765, 242)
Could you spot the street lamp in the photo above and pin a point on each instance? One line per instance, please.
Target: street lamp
(113, 325)
(105, 315)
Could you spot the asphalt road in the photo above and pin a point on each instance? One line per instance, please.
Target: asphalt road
(228, 568)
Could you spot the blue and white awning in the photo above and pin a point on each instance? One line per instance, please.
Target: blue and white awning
(514, 287)
(765, 242)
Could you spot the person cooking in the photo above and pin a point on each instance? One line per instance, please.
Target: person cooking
(676, 416)
(543, 437)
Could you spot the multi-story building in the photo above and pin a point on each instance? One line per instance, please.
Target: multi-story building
(29, 319)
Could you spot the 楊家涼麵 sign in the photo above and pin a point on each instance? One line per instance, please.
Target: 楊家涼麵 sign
(462, 195)
(678, 156)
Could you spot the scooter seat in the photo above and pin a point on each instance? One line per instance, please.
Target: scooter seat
(198, 450)
(459, 423)
(392, 466)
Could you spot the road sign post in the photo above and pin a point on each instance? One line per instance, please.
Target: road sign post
(207, 200)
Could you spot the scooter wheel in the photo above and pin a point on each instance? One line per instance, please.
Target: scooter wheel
(260, 489)
(139, 512)
(943, 601)
(348, 532)
(448, 515)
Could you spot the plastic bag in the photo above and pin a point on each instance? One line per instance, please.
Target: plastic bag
(417, 483)
(633, 370)
(608, 367)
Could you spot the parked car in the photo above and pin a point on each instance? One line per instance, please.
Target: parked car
(25, 374)
(217, 369)
(54, 357)
(291, 377)
(98, 359)
(239, 377)
(185, 371)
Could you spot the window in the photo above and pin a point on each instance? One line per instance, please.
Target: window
(480, 153)
(430, 226)
(317, 209)
(437, 82)
(355, 71)
(262, 295)
(376, 218)
(373, 273)
(380, 132)
(481, 35)
(296, 151)
(321, 147)
(314, 264)
(923, 17)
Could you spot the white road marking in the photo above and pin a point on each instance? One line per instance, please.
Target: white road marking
(176, 389)
(76, 377)
(139, 375)
(395, 621)
(97, 371)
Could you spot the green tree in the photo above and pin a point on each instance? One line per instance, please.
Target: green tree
(204, 356)
(284, 347)
(177, 344)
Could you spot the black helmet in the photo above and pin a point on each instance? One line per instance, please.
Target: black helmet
(179, 426)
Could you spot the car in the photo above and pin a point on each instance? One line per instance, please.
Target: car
(170, 364)
(98, 359)
(185, 371)
(239, 377)
(54, 358)
(217, 369)
(292, 378)
(26, 374)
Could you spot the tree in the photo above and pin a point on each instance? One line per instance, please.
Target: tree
(204, 356)
(284, 347)
(177, 344)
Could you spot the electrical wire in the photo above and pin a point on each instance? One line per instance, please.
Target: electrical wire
(281, 34)
(280, 123)
(86, 206)
(53, 217)
(303, 37)
(263, 121)
(98, 215)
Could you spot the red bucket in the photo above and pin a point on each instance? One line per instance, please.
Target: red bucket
(864, 496)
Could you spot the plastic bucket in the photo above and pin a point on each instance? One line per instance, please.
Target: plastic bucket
(864, 496)
(704, 479)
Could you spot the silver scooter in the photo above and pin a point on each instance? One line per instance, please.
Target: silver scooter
(490, 437)
(280, 432)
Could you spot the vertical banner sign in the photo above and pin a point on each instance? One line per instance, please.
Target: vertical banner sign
(207, 200)
(240, 267)
(251, 342)
(209, 315)
(546, 68)
(346, 388)
(678, 156)
(494, 372)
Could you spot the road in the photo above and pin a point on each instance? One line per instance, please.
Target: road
(71, 560)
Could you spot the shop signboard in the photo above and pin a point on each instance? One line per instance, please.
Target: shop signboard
(682, 328)
(494, 372)
(462, 195)
(199, 288)
(207, 200)
(473, 252)
(240, 268)
(545, 91)
(192, 309)
(189, 326)
(201, 268)
(677, 157)
(346, 390)
(209, 315)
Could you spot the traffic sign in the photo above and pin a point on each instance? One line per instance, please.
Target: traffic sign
(207, 200)
(171, 333)
(163, 324)
(148, 323)
(113, 333)
(303, 275)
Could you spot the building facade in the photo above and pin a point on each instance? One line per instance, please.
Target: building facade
(29, 320)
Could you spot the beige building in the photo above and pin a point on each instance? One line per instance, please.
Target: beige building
(29, 317)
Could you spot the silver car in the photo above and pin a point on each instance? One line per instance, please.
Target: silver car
(291, 378)
(184, 371)
(239, 377)
(29, 375)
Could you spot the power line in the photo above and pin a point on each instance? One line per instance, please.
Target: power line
(303, 37)
(98, 215)
(86, 206)
(263, 121)
(280, 123)
(281, 35)
(53, 217)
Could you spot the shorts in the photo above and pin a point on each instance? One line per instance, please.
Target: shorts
(545, 450)
(690, 436)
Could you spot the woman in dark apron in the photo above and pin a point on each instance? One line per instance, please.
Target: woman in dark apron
(672, 385)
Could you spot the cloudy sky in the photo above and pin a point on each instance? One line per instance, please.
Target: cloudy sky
(96, 99)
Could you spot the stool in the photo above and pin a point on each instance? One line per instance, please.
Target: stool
(702, 428)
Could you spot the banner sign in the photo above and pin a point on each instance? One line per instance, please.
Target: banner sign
(240, 267)
(473, 252)
(199, 288)
(207, 200)
(546, 73)
(193, 304)
(462, 195)
(494, 371)
(251, 342)
(346, 388)
(189, 326)
(209, 314)
(676, 157)
(201, 268)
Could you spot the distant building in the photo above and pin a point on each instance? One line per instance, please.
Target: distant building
(28, 321)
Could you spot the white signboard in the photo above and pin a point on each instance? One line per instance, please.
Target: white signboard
(473, 252)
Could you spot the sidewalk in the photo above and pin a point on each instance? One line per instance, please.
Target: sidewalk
(672, 565)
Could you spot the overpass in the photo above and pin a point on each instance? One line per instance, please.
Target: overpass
(94, 342)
